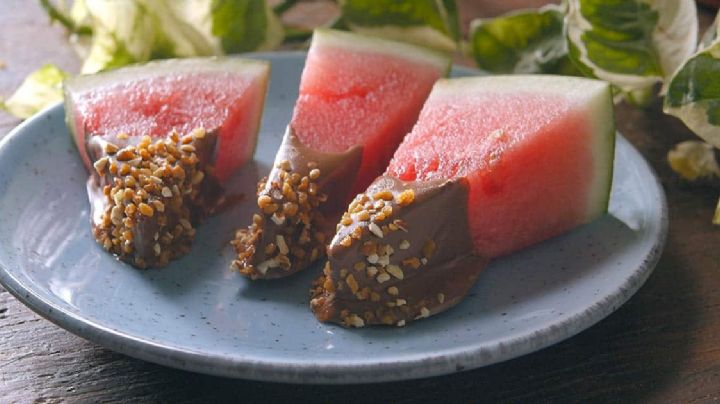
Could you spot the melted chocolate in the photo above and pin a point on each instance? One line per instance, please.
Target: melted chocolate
(430, 264)
(303, 216)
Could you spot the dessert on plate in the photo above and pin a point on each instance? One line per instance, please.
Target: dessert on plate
(159, 140)
(493, 165)
(358, 97)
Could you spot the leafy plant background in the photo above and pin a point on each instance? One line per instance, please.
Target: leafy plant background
(644, 48)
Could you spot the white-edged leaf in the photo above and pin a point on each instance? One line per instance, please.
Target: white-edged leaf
(693, 94)
(130, 31)
(632, 44)
(523, 41)
(245, 25)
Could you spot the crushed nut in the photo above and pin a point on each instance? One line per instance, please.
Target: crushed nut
(288, 202)
(395, 271)
(374, 229)
(137, 189)
(405, 197)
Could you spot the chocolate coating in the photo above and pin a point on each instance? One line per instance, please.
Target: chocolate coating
(300, 202)
(406, 262)
(154, 238)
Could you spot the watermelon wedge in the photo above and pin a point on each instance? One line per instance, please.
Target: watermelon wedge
(493, 165)
(225, 96)
(159, 140)
(358, 97)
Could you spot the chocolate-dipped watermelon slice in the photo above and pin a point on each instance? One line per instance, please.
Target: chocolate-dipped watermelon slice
(493, 165)
(358, 97)
(160, 139)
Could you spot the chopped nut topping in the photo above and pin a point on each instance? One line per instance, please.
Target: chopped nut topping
(146, 210)
(100, 165)
(374, 229)
(395, 271)
(441, 298)
(404, 245)
(363, 215)
(383, 277)
(405, 197)
(137, 189)
(288, 205)
(282, 246)
(412, 262)
(383, 195)
(355, 321)
(392, 290)
(263, 201)
(110, 148)
(352, 283)
(373, 258)
(346, 241)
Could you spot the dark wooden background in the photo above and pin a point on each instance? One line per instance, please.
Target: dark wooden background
(663, 345)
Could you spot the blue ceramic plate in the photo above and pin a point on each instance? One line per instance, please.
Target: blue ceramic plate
(198, 315)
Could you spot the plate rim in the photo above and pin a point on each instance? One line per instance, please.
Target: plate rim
(410, 366)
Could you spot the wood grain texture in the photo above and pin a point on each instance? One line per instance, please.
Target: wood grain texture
(661, 346)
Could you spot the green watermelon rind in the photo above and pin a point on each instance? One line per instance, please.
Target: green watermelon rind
(162, 68)
(601, 114)
(354, 42)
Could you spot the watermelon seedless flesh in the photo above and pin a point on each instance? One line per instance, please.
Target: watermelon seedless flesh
(537, 152)
(358, 97)
(493, 165)
(159, 140)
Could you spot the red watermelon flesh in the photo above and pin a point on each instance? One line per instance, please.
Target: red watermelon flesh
(221, 95)
(358, 97)
(358, 90)
(537, 151)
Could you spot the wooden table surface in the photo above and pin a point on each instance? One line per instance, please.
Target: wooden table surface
(663, 345)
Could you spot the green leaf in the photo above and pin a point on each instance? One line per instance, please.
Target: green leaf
(432, 23)
(123, 34)
(693, 94)
(694, 160)
(131, 31)
(633, 44)
(40, 89)
(525, 41)
(245, 25)
(65, 18)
